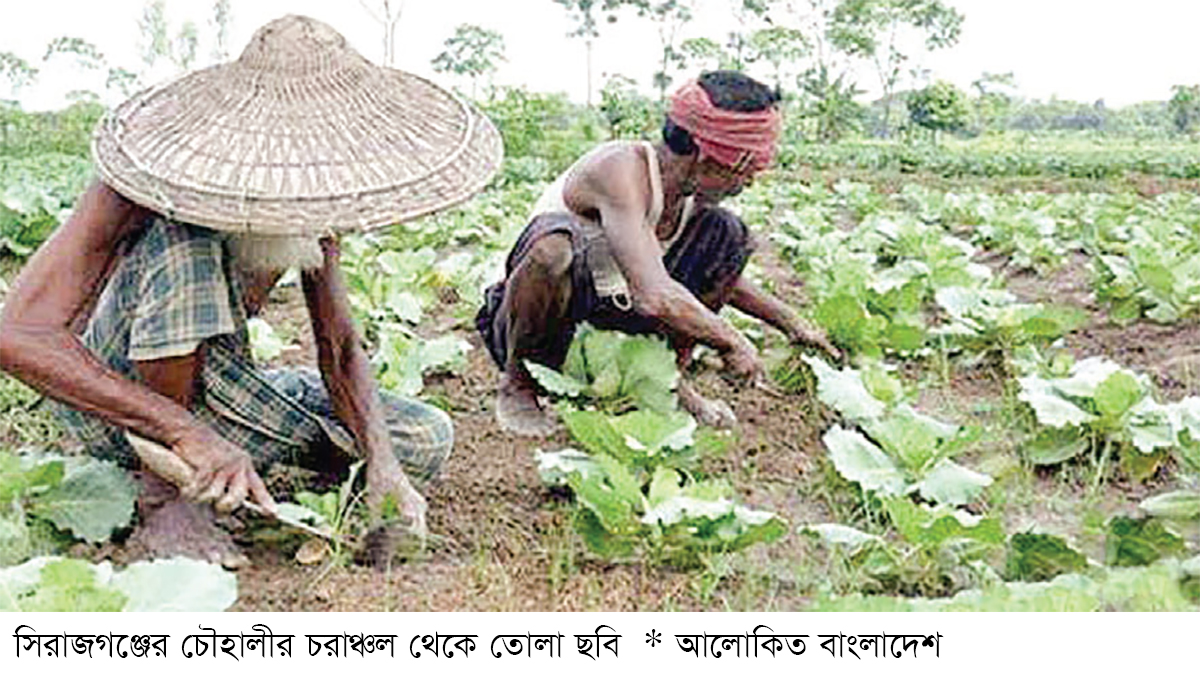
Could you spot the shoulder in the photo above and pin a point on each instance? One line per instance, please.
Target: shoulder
(614, 172)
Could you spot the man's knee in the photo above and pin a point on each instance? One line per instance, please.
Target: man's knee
(552, 255)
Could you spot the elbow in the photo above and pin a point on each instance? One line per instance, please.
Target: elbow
(11, 345)
(651, 303)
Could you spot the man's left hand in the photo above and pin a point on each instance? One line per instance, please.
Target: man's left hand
(813, 337)
(388, 488)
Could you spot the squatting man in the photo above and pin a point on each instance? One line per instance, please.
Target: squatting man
(631, 238)
(133, 314)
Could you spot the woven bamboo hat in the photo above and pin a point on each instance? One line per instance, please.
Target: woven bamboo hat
(300, 136)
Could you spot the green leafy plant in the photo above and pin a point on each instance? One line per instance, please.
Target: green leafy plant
(614, 372)
(87, 498)
(55, 584)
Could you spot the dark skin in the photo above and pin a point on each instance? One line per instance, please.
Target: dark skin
(55, 292)
(613, 187)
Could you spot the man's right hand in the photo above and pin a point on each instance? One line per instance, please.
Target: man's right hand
(742, 361)
(224, 473)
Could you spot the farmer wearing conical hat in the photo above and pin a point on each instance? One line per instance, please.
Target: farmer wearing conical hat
(209, 187)
(631, 238)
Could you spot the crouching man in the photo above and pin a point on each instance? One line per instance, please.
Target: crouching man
(136, 320)
(631, 238)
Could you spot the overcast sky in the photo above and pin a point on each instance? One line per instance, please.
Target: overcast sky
(1075, 49)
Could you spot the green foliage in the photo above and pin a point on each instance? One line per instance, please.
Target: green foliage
(1184, 107)
(629, 114)
(939, 107)
(1140, 542)
(636, 497)
(54, 584)
(1035, 557)
(1100, 405)
(614, 371)
(83, 496)
(472, 52)
(634, 480)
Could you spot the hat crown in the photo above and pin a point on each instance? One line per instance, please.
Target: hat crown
(298, 45)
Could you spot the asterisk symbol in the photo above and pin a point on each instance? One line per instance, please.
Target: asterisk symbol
(653, 638)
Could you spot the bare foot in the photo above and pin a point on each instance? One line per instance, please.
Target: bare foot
(173, 527)
(519, 412)
(710, 412)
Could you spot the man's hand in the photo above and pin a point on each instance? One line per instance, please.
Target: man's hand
(742, 362)
(387, 486)
(224, 474)
(802, 334)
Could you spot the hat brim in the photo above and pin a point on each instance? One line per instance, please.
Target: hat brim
(227, 149)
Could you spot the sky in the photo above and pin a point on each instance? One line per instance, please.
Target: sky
(1073, 49)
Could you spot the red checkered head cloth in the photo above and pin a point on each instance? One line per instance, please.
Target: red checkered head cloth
(742, 141)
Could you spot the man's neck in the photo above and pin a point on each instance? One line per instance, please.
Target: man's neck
(676, 173)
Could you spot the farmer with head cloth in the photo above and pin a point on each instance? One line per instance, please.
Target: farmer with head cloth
(134, 314)
(631, 238)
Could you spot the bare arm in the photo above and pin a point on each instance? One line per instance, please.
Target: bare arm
(57, 286)
(748, 298)
(614, 187)
(54, 291)
(346, 372)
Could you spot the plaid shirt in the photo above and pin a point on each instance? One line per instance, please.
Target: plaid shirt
(175, 289)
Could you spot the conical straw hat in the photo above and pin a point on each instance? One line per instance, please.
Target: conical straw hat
(300, 136)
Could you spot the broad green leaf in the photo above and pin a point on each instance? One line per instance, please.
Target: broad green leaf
(613, 513)
(176, 585)
(60, 585)
(836, 534)
(15, 542)
(1054, 445)
(94, 499)
(265, 344)
(627, 488)
(1150, 426)
(664, 485)
(600, 540)
(913, 438)
(1139, 542)
(952, 484)
(1086, 377)
(650, 432)
(595, 432)
(405, 305)
(844, 391)
(1038, 556)
(1173, 505)
(1050, 408)
(859, 460)
(555, 467)
(648, 372)
(1117, 393)
(926, 526)
(555, 382)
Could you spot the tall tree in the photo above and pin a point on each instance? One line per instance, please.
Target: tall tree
(153, 26)
(669, 17)
(17, 71)
(387, 14)
(221, 20)
(472, 52)
(875, 30)
(584, 15)
(777, 46)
